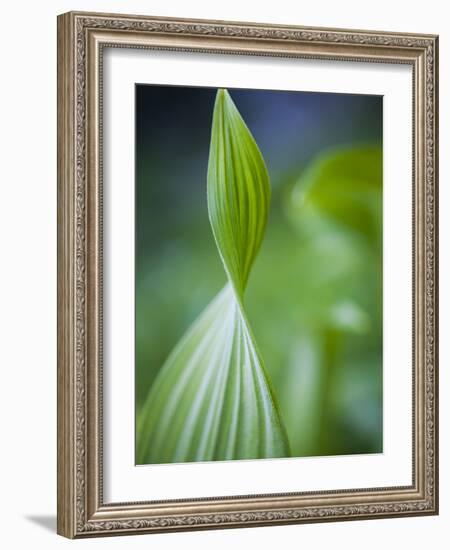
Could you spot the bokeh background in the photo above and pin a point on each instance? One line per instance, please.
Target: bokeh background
(314, 299)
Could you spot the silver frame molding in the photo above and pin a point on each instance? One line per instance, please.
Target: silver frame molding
(81, 39)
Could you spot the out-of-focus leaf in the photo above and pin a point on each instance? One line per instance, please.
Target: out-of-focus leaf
(336, 209)
(345, 185)
(299, 391)
(348, 316)
(212, 399)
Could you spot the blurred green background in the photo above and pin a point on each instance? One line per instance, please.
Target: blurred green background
(314, 298)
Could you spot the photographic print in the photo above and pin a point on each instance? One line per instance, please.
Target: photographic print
(258, 274)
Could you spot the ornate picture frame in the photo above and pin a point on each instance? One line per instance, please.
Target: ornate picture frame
(82, 38)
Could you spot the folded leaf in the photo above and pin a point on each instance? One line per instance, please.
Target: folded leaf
(212, 399)
(238, 191)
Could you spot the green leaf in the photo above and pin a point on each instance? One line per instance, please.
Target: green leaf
(212, 399)
(238, 191)
(346, 185)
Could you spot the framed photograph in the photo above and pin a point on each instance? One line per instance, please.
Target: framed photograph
(247, 276)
